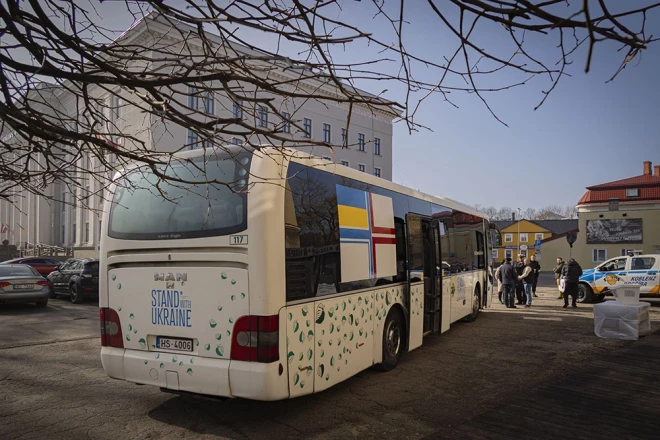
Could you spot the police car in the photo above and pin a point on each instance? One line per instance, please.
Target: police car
(634, 268)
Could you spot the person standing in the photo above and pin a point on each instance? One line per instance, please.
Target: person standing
(527, 278)
(557, 271)
(536, 268)
(509, 278)
(571, 272)
(499, 282)
(520, 290)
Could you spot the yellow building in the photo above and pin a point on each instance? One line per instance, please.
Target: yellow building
(524, 237)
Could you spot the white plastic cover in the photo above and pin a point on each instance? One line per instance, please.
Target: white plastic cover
(621, 321)
(626, 294)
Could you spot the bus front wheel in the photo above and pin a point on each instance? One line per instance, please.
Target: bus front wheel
(392, 341)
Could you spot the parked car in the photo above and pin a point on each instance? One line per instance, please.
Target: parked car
(43, 265)
(642, 270)
(76, 277)
(22, 283)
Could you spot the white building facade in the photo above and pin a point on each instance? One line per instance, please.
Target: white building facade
(73, 220)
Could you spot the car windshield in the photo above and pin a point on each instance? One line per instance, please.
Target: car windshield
(148, 208)
(16, 271)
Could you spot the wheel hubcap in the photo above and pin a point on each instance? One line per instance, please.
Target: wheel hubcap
(393, 339)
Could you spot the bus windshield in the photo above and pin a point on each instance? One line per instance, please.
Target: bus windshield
(146, 207)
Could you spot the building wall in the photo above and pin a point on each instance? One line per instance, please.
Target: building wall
(526, 227)
(648, 212)
(552, 249)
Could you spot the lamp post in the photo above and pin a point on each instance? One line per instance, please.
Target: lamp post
(518, 256)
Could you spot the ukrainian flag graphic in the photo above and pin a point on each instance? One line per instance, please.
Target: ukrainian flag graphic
(366, 235)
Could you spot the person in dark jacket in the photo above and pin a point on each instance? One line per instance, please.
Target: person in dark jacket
(557, 271)
(509, 278)
(571, 272)
(536, 269)
(527, 278)
(520, 289)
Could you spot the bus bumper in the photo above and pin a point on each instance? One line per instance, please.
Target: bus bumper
(194, 374)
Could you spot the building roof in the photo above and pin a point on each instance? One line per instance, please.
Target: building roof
(648, 186)
(555, 226)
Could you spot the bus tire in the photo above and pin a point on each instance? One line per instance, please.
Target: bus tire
(585, 293)
(393, 340)
(76, 297)
(476, 306)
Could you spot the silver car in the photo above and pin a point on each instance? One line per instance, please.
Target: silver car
(22, 283)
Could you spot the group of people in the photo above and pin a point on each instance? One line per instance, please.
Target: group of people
(517, 281)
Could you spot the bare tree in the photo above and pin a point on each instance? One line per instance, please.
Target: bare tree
(529, 213)
(68, 84)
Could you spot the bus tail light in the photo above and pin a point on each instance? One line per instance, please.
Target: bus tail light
(256, 339)
(110, 328)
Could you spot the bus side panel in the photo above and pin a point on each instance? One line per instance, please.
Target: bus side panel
(447, 301)
(462, 288)
(300, 349)
(344, 338)
(416, 316)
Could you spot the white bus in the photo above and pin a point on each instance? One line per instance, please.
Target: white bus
(292, 277)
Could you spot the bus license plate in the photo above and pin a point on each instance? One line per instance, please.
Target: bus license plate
(174, 344)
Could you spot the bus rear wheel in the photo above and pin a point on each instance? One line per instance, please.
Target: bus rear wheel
(392, 341)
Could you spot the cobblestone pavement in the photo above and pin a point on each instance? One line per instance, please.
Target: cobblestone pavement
(52, 385)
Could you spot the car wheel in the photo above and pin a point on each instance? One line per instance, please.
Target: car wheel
(76, 297)
(585, 293)
(42, 303)
(51, 292)
(392, 341)
(600, 298)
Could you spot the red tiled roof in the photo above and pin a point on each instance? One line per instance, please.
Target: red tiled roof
(649, 189)
(631, 182)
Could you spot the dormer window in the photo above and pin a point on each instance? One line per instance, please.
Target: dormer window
(632, 192)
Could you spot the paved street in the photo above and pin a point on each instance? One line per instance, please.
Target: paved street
(52, 384)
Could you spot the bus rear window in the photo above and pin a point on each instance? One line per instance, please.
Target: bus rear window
(146, 207)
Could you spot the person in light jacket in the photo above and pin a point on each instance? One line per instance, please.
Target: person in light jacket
(499, 282)
(557, 271)
(571, 272)
(527, 278)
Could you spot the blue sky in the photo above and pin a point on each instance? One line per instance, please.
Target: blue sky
(587, 132)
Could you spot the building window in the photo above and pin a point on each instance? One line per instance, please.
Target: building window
(262, 116)
(236, 141)
(208, 143)
(377, 146)
(209, 103)
(508, 238)
(599, 255)
(73, 233)
(326, 133)
(377, 172)
(63, 232)
(508, 253)
(237, 110)
(360, 142)
(100, 229)
(307, 128)
(632, 192)
(86, 232)
(523, 253)
(538, 236)
(286, 124)
(495, 254)
(345, 163)
(344, 139)
(624, 252)
(361, 167)
(193, 140)
(64, 197)
(523, 238)
(193, 99)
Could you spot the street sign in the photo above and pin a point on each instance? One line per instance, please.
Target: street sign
(523, 247)
(537, 243)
